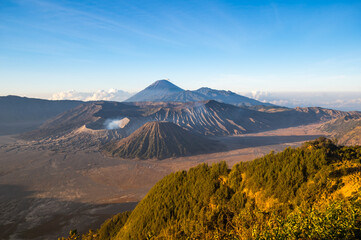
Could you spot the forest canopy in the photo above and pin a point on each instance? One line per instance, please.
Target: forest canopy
(311, 192)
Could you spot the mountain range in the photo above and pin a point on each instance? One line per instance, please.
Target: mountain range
(108, 123)
(165, 91)
(23, 114)
(223, 113)
(205, 117)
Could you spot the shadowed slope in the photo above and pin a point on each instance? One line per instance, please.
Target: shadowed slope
(20, 114)
(161, 140)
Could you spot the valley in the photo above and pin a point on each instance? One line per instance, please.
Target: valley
(47, 191)
(83, 162)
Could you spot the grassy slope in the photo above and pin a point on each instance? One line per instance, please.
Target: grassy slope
(346, 130)
(309, 193)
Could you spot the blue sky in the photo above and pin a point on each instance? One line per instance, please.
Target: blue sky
(53, 46)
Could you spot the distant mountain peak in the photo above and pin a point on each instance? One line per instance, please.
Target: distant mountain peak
(165, 84)
(165, 91)
(156, 90)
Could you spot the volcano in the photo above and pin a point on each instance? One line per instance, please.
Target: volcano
(161, 140)
(165, 91)
(156, 91)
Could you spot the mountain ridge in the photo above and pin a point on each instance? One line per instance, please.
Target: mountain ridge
(229, 97)
(205, 117)
(19, 114)
(165, 91)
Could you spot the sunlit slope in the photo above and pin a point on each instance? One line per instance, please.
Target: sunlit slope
(213, 201)
(311, 192)
(347, 130)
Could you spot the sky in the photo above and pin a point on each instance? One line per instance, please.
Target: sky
(48, 47)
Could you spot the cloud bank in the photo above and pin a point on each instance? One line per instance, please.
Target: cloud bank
(346, 101)
(108, 95)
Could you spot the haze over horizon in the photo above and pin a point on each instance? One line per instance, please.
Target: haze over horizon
(50, 46)
(346, 101)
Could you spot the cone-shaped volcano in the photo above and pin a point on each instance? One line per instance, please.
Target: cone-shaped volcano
(156, 92)
(161, 140)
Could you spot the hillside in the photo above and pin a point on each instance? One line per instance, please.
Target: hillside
(347, 130)
(119, 120)
(213, 118)
(311, 192)
(19, 114)
(161, 140)
(184, 96)
(91, 116)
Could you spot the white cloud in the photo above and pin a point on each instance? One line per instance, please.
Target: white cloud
(108, 95)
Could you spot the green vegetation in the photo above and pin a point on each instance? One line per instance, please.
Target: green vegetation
(306, 193)
(107, 231)
(337, 220)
